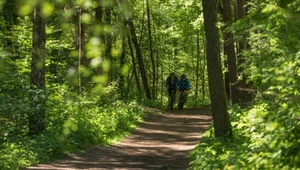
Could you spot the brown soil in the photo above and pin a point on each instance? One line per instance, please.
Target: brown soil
(162, 141)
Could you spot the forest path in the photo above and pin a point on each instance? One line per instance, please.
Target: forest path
(161, 141)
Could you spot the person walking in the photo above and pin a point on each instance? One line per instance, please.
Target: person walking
(171, 84)
(184, 86)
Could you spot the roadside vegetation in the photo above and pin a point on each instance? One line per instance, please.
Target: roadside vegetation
(266, 132)
(80, 73)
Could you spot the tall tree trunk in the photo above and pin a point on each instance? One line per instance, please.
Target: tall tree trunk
(99, 12)
(222, 125)
(80, 46)
(239, 14)
(197, 64)
(81, 42)
(134, 66)
(243, 87)
(156, 39)
(108, 41)
(230, 53)
(122, 63)
(203, 71)
(142, 23)
(139, 57)
(37, 78)
(151, 50)
(99, 20)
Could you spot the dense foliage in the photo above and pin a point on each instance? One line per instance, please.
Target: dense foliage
(92, 95)
(94, 91)
(266, 132)
(73, 123)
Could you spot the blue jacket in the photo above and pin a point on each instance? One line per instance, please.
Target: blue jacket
(184, 84)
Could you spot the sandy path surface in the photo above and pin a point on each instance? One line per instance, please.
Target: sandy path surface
(161, 142)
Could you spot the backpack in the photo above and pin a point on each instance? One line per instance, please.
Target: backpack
(172, 83)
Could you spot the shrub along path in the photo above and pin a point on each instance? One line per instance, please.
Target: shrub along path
(162, 141)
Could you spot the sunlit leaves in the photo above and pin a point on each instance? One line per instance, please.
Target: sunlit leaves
(47, 9)
(86, 18)
(69, 127)
(94, 48)
(84, 3)
(95, 62)
(125, 10)
(107, 3)
(100, 79)
(85, 72)
(106, 66)
(26, 7)
(269, 8)
(116, 52)
(71, 71)
(1, 3)
(125, 70)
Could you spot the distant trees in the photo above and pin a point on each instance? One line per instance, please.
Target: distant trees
(87, 48)
(139, 56)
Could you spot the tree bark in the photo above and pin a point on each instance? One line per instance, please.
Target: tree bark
(203, 71)
(99, 20)
(197, 64)
(108, 41)
(139, 57)
(37, 77)
(122, 64)
(245, 95)
(151, 50)
(134, 66)
(222, 125)
(230, 53)
(81, 42)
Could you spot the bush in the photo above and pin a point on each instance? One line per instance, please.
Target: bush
(73, 123)
(265, 138)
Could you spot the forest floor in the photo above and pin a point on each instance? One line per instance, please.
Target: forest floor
(161, 142)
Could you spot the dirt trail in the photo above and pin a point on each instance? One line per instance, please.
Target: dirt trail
(162, 141)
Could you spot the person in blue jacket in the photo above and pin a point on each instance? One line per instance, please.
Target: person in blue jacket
(184, 86)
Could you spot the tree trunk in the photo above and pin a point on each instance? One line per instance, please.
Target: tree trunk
(37, 78)
(243, 87)
(197, 64)
(81, 42)
(222, 125)
(151, 50)
(99, 18)
(139, 57)
(230, 53)
(239, 14)
(157, 66)
(134, 66)
(203, 71)
(122, 63)
(108, 41)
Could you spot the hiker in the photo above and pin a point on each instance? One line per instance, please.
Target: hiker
(171, 84)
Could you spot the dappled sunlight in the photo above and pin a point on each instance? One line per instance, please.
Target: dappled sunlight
(161, 141)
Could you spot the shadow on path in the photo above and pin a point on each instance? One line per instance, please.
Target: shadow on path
(162, 141)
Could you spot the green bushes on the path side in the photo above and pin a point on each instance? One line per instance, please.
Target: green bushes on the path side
(73, 123)
(266, 134)
(266, 137)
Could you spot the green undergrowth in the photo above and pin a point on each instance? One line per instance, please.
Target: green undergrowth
(73, 124)
(266, 136)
